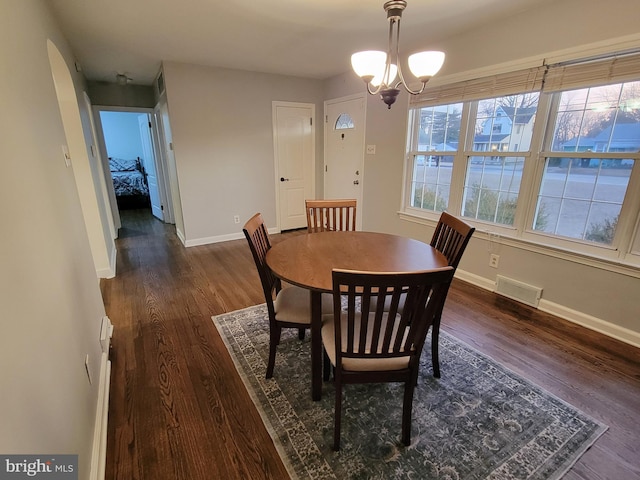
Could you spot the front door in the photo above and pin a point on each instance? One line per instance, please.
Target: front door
(344, 150)
(294, 151)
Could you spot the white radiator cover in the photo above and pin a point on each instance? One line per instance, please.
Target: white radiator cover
(522, 292)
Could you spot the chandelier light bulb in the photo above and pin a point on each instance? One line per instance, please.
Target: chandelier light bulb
(379, 69)
(426, 64)
(368, 64)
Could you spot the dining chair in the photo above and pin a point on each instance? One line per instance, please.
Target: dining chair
(450, 238)
(331, 215)
(288, 307)
(367, 343)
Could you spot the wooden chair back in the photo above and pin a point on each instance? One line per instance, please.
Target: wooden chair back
(259, 244)
(369, 330)
(331, 215)
(451, 237)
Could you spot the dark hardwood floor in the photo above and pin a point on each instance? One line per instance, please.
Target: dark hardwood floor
(178, 409)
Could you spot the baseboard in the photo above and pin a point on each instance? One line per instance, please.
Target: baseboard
(113, 260)
(99, 452)
(217, 239)
(110, 271)
(222, 238)
(181, 237)
(606, 328)
(476, 280)
(593, 323)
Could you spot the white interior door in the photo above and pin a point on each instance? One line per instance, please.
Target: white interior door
(149, 161)
(171, 170)
(344, 150)
(162, 169)
(294, 151)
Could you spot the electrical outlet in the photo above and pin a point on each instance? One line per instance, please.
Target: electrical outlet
(494, 260)
(236, 219)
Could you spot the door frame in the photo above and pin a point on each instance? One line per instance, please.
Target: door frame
(158, 156)
(148, 147)
(356, 96)
(274, 105)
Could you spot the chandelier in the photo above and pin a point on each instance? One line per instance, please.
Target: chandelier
(379, 69)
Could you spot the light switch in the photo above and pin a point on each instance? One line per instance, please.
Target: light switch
(371, 149)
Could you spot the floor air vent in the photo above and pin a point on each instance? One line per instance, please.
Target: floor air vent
(519, 291)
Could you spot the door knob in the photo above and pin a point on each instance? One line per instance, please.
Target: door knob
(356, 182)
(282, 179)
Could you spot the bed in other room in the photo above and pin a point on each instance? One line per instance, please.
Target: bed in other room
(129, 183)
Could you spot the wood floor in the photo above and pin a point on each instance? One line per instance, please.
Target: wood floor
(178, 409)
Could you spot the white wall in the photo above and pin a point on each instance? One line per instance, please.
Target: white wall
(589, 295)
(51, 302)
(122, 134)
(83, 152)
(223, 144)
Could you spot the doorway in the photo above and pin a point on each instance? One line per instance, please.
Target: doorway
(130, 150)
(344, 149)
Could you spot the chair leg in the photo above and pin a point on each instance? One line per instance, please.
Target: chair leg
(326, 365)
(274, 340)
(301, 334)
(407, 407)
(435, 359)
(338, 415)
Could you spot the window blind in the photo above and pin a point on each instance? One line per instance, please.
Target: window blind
(591, 73)
(615, 68)
(510, 83)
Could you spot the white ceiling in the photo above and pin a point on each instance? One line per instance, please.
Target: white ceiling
(306, 38)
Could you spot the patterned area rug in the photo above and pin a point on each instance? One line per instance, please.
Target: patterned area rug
(479, 421)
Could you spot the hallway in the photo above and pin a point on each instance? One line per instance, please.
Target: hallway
(177, 408)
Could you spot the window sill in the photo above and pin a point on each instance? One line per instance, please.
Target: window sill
(612, 265)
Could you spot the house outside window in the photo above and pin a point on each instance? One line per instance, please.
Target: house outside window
(586, 174)
(492, 181)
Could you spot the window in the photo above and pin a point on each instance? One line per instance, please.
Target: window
(585, 178)
(573, 151)
(435, 137)
(344, 121)
(492, 180)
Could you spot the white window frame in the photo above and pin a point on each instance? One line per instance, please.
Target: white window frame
(622, 255)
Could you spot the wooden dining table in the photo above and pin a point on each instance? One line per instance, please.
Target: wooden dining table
(308, 261)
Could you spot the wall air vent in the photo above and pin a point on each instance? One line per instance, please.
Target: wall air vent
(515, 290)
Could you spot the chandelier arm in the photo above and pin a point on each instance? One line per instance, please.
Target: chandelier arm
(387, 65)
(400, 75)
(374, 92)
(412, 92)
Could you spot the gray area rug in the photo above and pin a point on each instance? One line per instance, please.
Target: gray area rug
(479, 421)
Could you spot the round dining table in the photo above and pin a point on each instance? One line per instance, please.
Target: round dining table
(308, 260)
